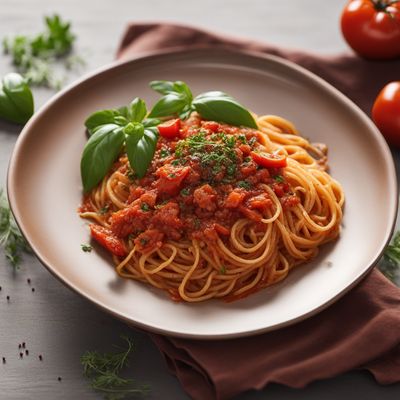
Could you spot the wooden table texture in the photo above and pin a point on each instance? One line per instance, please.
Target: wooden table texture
(57, 323)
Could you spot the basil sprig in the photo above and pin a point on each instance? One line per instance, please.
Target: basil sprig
(110, 131)
(16, 100)
(218, 106)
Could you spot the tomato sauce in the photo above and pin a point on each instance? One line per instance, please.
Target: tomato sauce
(198, 185)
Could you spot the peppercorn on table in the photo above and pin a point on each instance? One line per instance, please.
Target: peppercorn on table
(45, 327)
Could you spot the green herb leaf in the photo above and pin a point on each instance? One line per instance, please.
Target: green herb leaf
(16, 100)
(11, 238)
(102, 117)
(244, 185)
(101, 150)
(103, 370)
(137, 110)
(218, 106)
(169, 105)
(140, 148)
(35, 57)
(86, 248)
(163, 87)
(177, 87)
(390, 266)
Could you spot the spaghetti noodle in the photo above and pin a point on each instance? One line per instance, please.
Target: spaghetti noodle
(222, 211)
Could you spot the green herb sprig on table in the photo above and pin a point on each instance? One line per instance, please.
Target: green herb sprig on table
(35, 57)
(11, 238)
(103, 370)
(391, 258)
(16, 100)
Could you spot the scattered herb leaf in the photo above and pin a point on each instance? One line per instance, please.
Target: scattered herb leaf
(391, 258)
(35, 56)
(16, 100)
(11, 238)
(103, 370)
(87, 248)
(145, 207)
(279, 178)
(244, 185)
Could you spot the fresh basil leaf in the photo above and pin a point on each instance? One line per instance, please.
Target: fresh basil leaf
(149, 122)
(169, 105)
(137, 110)
(185, 113)
(182, 87)
(123, 111)
(177, 87)
(218, 106)
(101, 150)
(16, 100)
(101, 118)
(140, 148)
(163, 87)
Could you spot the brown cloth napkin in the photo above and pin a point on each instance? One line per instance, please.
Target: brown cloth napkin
(361, 330)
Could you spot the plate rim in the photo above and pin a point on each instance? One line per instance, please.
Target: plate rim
(184, 51)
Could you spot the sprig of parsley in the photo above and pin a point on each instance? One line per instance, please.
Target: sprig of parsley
(11, 238)
(103, 370)
(35, 56)
(391, 258)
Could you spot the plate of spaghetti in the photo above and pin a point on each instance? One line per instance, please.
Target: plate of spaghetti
(192, 193)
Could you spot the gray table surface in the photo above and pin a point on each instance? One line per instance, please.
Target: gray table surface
(54, 321)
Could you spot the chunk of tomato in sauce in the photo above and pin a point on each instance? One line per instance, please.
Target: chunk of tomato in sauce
(149, 240)
(170, 129)
(170, 179)
(108, 240)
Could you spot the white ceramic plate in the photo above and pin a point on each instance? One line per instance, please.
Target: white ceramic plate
(45, 190)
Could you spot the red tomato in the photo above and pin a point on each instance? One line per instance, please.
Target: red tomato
(170, 129)
(170, 178)
(269, 160)
(372, 28)
(386, 112)
(106, 238)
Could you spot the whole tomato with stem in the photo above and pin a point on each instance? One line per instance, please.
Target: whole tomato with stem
(372, 28)
(386, 113)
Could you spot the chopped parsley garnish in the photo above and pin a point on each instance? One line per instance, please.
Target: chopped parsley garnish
(87, 248)
(185, 192)
(216, 153)
(144, 241)
(279, 178)
(252, 141)
(175, 163)
(244, 185)
(222, 270)
(164, 153)
(196, 223)
(242, 138)
(144, 207)
(104, 210)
